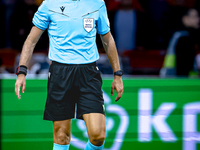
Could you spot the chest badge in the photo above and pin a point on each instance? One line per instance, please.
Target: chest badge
(88, 24)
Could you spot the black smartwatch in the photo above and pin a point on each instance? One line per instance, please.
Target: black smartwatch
(118, 73)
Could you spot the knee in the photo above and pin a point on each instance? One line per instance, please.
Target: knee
(97, 137)
(62, 137)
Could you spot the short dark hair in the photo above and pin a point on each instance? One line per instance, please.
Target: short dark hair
(186, 11)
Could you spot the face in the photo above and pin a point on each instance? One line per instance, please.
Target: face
(192, 19)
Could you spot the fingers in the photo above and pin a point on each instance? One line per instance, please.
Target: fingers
(118, 86)
(21, 81)
(17, 91)
(23, 87)
(119, 95)
(112, 90)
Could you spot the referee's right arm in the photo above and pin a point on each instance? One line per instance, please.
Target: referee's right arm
(26, 54)
(41, 23)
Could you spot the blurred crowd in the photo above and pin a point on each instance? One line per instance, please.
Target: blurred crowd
(153, 37)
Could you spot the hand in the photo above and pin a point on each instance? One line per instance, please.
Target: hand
(21, 81)
(118, 86)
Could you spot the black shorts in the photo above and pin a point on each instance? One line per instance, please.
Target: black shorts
(71, 85)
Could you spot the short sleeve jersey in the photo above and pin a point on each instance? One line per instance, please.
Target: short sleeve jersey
(72, 26)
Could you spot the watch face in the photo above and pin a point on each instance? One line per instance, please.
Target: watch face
(119, 73)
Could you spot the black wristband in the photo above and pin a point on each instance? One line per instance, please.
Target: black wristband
(21, 70)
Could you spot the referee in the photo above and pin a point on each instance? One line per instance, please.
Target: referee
(74, 79)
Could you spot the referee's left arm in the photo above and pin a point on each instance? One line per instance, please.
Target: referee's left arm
(111, 51)
(103, 28)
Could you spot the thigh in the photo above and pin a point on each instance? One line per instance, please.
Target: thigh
(95, 123)
(65, 125)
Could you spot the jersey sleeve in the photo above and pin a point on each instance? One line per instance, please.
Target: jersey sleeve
(103, 24)
(41, 17)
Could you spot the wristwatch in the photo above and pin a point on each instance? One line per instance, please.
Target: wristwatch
(118, 73)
